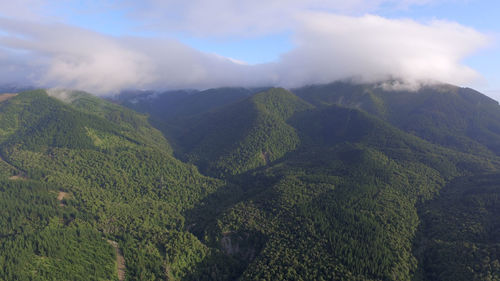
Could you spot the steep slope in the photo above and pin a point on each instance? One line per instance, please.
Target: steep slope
(342, 206)
(459, 118)
(459, 238)
(132, 123)
(343, 187)
(183, 103)
(244, 135)
(123, 183)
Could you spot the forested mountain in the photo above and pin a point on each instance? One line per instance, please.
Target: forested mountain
(121, 182)
(325, 182)
(242, 136)
(459, 118)
(182, 103)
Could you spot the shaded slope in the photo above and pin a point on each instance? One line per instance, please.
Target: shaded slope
(342, 206)
(324, 192)
(459, 118)
(183, 103)
(333, 125)
(459, 237)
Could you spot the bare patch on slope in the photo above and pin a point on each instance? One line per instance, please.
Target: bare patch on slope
(120, 260)
(6, 96)
(61, 196)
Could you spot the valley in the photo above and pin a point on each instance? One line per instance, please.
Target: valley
(328, 182)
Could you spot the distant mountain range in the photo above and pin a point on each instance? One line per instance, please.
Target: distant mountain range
(327, 182)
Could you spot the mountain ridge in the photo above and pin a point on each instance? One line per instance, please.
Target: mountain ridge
(273, 185)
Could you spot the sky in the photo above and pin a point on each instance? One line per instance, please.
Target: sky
(110, 45)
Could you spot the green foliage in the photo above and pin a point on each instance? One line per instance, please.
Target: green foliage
(175, 105)
(134, 126)
(357, 183)
(460, 233)
(459, 118)
(40, 240)
(355, 221)
(343, 206)
(244, 135)
(120, 182)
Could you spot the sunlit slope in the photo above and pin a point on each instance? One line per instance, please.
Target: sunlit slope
(242, 136)
(123, 184)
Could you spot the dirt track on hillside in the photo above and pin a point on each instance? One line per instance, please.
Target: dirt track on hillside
(120, 260)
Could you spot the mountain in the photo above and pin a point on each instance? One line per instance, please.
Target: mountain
(182, 103)
(115, 179)
(325, 182)
(242, 136)
(447, 115)
(458, 237)
(342, 206)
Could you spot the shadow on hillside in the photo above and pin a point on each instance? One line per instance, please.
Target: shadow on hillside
(202, 218)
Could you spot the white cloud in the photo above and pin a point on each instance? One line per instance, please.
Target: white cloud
(328, 47)
(74, 57)
(59, 55)
(371, 48)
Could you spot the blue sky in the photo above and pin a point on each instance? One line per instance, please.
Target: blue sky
(203, 43)
(481, 15)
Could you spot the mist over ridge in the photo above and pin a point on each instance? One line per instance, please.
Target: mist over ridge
(327, 48)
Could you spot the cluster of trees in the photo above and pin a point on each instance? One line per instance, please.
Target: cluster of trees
(459, 235)
(246, 135)
(124, 187)
(342, 206)
(302, 191)
(39, 240)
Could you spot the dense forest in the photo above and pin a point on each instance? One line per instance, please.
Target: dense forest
(326, 182)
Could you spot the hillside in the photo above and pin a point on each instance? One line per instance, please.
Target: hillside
(327, 182)
(458, 237)
(240, 136)
(183, 103)
(124, 185)
(459, 118)
(343, 206)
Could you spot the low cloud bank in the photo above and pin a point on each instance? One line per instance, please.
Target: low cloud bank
(328, 47)
(372, 48)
